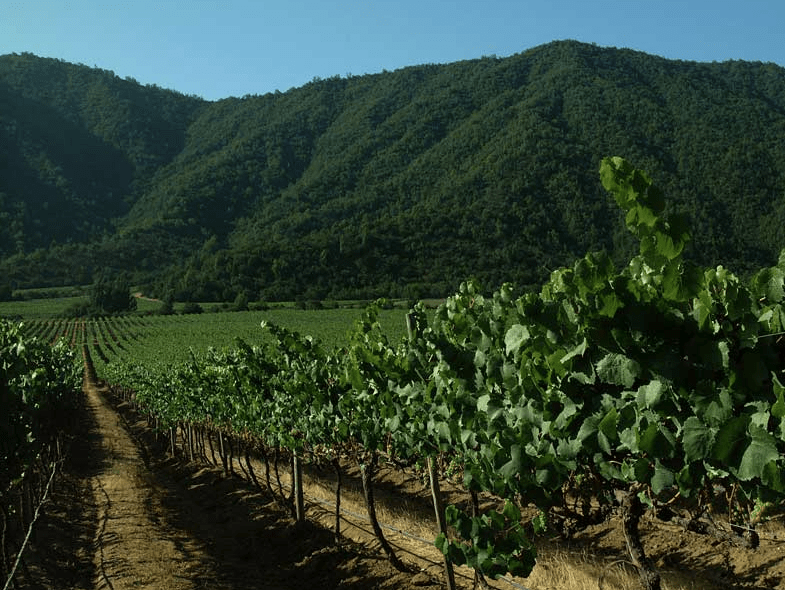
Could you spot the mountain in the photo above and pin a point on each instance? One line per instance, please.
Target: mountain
(402, 183)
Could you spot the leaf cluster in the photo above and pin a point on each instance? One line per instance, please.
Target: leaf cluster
(39, 385)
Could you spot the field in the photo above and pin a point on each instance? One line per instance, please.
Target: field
(149, 338)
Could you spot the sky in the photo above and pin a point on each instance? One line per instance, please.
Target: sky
(221, 48)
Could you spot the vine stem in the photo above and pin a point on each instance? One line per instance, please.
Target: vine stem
(631, 512)
(438, 508)
(367, 471)
(36, 514)
(297, 481)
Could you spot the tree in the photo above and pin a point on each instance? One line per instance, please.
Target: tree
(241, 301)
(167, 305)
(111, 296)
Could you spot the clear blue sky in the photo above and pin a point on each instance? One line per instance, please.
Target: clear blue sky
(221, 48)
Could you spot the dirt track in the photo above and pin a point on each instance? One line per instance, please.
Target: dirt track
(135, 546)
(120, 520)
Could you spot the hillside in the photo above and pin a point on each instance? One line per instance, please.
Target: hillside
(402, 183)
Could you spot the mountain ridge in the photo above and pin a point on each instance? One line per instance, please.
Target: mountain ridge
(399, 183)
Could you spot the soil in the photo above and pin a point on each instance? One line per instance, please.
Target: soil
(125, 514)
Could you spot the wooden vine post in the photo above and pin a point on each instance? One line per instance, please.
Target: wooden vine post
(338, 485)
(438, 507)
(297, 477)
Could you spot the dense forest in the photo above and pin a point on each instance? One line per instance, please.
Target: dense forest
(401, 183)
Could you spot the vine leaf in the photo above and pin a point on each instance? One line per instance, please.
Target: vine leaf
(770, 284)
(662, 479)
(762, 451)
(618, 369)
(515, 337)
(698, 439)
(729, 443)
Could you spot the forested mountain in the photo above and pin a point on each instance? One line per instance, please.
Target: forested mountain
(399, 183)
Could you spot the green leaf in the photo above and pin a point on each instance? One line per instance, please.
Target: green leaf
(568, 449)
(608, 424)
(697, 439)
(715, 354)
(641, 216)
(441, 543)
(515, 337)
(629, 439)
(731, 441)
(761, 451)
(608, 304)
(655, 441)
(669, 247)
(719, 410)
(513, 467)
(394, 424)
(589, 427)
(618, 369)
(468, 438)
(456, 554)
(771, 476)
(442, 431)
(577, 351)
(522, 568)
(630, 187)
(511, 511)
(649, 395)
(769, 283)
(702, 310)
(604, 443)
(778, 408)
(662, 478)
(681, 281)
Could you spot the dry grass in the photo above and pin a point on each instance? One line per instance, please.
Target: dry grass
(557, 568)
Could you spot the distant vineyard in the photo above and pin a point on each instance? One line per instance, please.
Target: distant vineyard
(154, 339)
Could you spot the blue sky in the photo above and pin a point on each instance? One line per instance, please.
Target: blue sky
(221, 48)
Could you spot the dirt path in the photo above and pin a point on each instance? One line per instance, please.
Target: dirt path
(135, 548)
(125, 516)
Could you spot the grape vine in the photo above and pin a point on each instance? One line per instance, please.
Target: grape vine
(38, 396)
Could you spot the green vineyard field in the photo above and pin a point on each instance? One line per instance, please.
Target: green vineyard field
(152, 339)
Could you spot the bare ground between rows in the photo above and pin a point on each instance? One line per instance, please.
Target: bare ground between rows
(222, 532)
(125, 517)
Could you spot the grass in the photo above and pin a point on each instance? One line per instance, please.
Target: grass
(33, 309)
